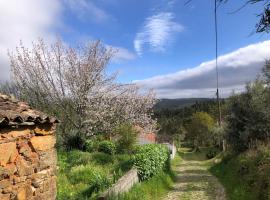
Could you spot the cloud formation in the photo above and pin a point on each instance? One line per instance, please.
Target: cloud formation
(156, 32)
(123, 54)
(235, 69)
(25, 20)
(87, 10)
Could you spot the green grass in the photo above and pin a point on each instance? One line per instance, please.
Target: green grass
(245, 176)
(153, 189)
(82, 175)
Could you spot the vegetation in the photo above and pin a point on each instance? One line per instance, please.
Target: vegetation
(155, 188)
(150, 160)
(128, 138)
(82, 175)
(246, 175)
(72, 84)
(107, 147)
(199, 129)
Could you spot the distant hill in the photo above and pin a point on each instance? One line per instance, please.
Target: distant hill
(179, 103)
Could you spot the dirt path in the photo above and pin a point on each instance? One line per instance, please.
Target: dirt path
(195, 182)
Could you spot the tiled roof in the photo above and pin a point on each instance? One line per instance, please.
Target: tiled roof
(14, 112)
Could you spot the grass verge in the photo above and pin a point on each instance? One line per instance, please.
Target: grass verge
(82, 175)
(245, 176)
(153, 189)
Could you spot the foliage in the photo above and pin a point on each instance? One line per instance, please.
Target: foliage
(246, 175)
(150, 159)
(90, 175)
(107, 146)
(128, 138)
(199, 129)
(153, 189)
(250, 117)
(212, 152)
(264, 23)
(91, 145)
(102, 158)
(173, 120)
(81, 175)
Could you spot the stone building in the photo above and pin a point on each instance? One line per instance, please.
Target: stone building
(27, 153)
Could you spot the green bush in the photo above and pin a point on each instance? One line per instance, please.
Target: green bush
(107, 147)
(128, 138)
(91, 145)
(150, 159)
(90, 175)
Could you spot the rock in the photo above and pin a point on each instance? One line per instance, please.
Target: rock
(39, 177)
(24, 168)
(20, 133)
(24, 193)
(43, 143)
(4, 183)
(11, 168)
(4, 173)
(5, 196)
(8, 153)
(43, 131)
(48, 159)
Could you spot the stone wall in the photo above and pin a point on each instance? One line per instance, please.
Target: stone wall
(122, 185)
(28, 163)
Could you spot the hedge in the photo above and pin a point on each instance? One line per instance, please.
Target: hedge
(150, 159)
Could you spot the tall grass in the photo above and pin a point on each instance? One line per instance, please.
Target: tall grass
(82, 175)
(246, 176)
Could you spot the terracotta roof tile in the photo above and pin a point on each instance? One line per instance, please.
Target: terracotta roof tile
(14, 112)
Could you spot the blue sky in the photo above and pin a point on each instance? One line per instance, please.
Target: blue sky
(157, 40)
(187, 47)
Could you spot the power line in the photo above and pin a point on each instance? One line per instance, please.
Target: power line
(217, 74)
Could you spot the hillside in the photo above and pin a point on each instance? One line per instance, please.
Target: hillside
(179, 103)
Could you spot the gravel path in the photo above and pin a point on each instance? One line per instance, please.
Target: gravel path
(195, 182)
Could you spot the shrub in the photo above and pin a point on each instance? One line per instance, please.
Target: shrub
(91, 145)
(93, 176)
(107, 147)
(211, 153)
(150, 159)
(128, 138)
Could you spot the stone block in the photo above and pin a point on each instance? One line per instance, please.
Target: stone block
(43, 143)
(24, 167)
(38, 178)
(47, 159)
(8, 153)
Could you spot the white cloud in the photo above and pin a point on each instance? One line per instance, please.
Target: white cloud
(235, 69)
(87, 10)
(123, 54)
(157, 31)
(25, 20)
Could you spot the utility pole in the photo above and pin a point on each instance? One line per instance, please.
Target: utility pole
(217, 74)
